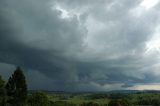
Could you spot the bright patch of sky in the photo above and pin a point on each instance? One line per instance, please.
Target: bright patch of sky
(153, 45)
(150, 86)
(149, 3)
(64, 13)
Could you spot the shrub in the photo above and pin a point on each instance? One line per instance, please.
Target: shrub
(38, 99)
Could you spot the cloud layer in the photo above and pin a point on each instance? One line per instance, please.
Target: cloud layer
(87, 45)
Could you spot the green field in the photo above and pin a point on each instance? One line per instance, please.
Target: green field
(77, 99)
(103, 99)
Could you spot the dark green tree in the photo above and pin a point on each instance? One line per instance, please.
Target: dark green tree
(2, 92)
(17, 88)
(10, 86)
(114, 103)
(119, 103)
(89, 104)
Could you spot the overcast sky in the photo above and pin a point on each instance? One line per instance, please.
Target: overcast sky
(82, 45)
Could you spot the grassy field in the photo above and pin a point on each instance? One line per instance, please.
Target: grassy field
(103, 99)
(77, 99)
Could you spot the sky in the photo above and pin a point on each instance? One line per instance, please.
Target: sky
(82, 45)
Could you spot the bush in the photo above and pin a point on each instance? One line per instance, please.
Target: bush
(149, 101)
(2, 93)
(61, 103)
(118, 103)
(89, 104)
(38, 99)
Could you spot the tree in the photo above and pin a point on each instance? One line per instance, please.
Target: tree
(119, 103)
(114, 103)
(2, 92)
(17, 88)
(89, 104)
(38, 99)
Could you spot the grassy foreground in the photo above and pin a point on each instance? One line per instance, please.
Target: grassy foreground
(105, 99)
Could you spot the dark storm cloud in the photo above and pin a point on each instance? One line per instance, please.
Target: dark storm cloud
(50, 62)
(78, 45)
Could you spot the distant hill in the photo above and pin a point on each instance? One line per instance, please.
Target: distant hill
(134, 91)
(106, 92)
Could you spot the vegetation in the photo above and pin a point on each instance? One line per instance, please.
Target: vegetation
(38, 99)
(14, 93)
(119, 103)
(17, 89)
(2, 92)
